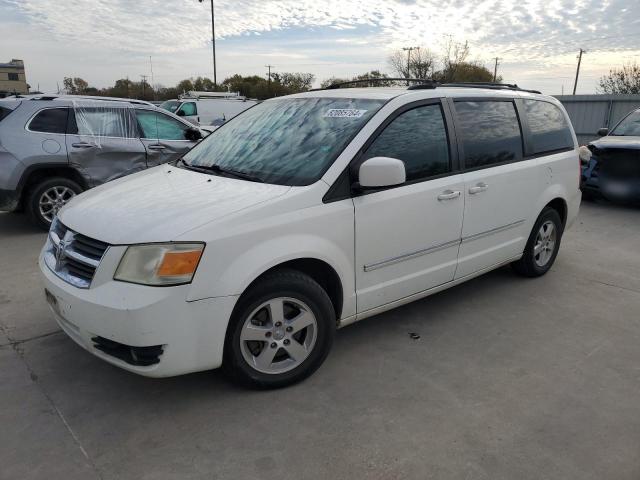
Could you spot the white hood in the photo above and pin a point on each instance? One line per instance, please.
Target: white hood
(160, 204)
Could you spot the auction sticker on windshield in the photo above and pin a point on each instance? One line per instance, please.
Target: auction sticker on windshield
(344, 113)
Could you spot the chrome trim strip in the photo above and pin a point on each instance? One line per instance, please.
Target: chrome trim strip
(477, 236)
(407, 256)
(442, 246)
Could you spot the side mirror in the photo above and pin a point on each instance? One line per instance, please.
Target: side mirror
(603, 132)
(180, 113)
(380, 172)
(193, 134)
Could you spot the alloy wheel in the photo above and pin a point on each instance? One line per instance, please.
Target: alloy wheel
(53, 199)
(545, 243)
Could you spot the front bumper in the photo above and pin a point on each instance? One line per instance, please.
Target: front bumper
(191, 333)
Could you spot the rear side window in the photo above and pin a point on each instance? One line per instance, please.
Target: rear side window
(418, 137)
(50, 120)
(490, 133)
(549, 128)
(105, 121)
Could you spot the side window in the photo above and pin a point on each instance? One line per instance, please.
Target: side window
(490, 132)
(158, 126)
(548, 126)
(418, 137)
(50, 120)
(189, 108)
(104, 122)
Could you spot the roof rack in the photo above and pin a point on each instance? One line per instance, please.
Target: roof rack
(490, 85)
(423, 83)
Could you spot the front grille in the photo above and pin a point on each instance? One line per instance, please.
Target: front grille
(72, 256)
(138, 356)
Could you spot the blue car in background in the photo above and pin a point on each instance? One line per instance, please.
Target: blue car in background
(611, 166)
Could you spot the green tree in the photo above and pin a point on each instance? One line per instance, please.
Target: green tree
(75, 86)
(621, 80)
(465, 72)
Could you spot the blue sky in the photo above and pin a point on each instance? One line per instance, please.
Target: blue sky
(101, 41)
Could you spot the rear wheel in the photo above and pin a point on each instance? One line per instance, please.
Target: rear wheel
(45, 199)
(543, 245)
(280, 332)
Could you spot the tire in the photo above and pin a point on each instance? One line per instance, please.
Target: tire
(55, 192)
(540, 252)
(269, 361)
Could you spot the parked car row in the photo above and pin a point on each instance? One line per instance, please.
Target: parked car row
(303, 214)
(54, 147)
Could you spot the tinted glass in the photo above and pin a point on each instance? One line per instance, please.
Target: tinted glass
(189, 108)
(630, 126)
(171, 105)
(13, 77)
(157, 125)
(51, 120)
(286, 141)
(549, 128)
(418, 137)
(490, 133)
(104, 121)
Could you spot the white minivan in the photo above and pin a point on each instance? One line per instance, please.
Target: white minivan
(307, 213)
(208, 110)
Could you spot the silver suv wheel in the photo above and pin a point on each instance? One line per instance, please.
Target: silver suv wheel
(53, 199)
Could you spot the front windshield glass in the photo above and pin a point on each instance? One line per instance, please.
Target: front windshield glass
(630, 126)
(171, 105)
(286, 141)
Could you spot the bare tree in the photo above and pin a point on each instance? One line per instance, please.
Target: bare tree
(623, 80)
(455, 55)
(419, 64)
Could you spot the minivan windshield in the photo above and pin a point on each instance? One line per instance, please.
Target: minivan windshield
(171, 105)
(289, 141)
(629, 127)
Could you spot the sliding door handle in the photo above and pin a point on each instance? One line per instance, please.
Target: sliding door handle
(480, 187)
(449, 195)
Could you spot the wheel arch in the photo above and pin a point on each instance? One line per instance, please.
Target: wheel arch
(32, 176)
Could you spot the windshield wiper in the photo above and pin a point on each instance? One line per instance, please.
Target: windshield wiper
(225, 171)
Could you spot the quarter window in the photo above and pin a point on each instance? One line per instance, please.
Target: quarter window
(490, 133)
(418, 137)
(50, 120)
(549, 128)
(158, 126)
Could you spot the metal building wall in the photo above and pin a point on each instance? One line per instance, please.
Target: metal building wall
(588, 113)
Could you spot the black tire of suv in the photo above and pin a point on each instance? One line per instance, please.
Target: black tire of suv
(36, 191)
(280, 283)
(527, 266)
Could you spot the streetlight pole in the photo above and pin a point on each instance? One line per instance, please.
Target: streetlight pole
(213, 41)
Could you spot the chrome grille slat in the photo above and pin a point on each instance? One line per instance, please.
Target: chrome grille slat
(80, 258)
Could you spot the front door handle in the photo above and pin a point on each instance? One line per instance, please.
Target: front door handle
(82, 145)
(480, 187)
(449, 195)
(156, 147)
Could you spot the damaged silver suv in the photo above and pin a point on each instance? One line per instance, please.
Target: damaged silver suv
(54, 147)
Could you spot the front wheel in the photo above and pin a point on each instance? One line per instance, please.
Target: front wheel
(543, 245)
(46, 198)
(280, 332)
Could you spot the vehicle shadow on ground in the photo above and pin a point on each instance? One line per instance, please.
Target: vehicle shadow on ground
(16, 224)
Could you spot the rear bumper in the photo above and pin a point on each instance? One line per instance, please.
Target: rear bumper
(9, 200)
(120, 322)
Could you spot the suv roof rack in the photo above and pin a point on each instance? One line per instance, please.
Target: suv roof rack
(422, 82)
(90, 97)
(490, 85)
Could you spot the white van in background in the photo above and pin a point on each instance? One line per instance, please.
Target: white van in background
(208, 108)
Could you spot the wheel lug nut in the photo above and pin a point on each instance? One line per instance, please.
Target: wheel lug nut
(286, 341)
(278, 324)
(268, 334)
(289, 329)
(274, 345)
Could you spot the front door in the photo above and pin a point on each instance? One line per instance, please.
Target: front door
(500, 185)
(102, 143)
(164, 138)
(407, 237)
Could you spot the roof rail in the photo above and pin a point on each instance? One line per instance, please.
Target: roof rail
(490, 85)
(424, 83)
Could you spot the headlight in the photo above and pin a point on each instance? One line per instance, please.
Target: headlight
(160, 264)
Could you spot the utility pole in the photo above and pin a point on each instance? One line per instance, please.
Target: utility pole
(578, 70)
(144, 80)
(213, 41)
(269, 87)
(495, 70)
(152, 81)
(409, 50)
